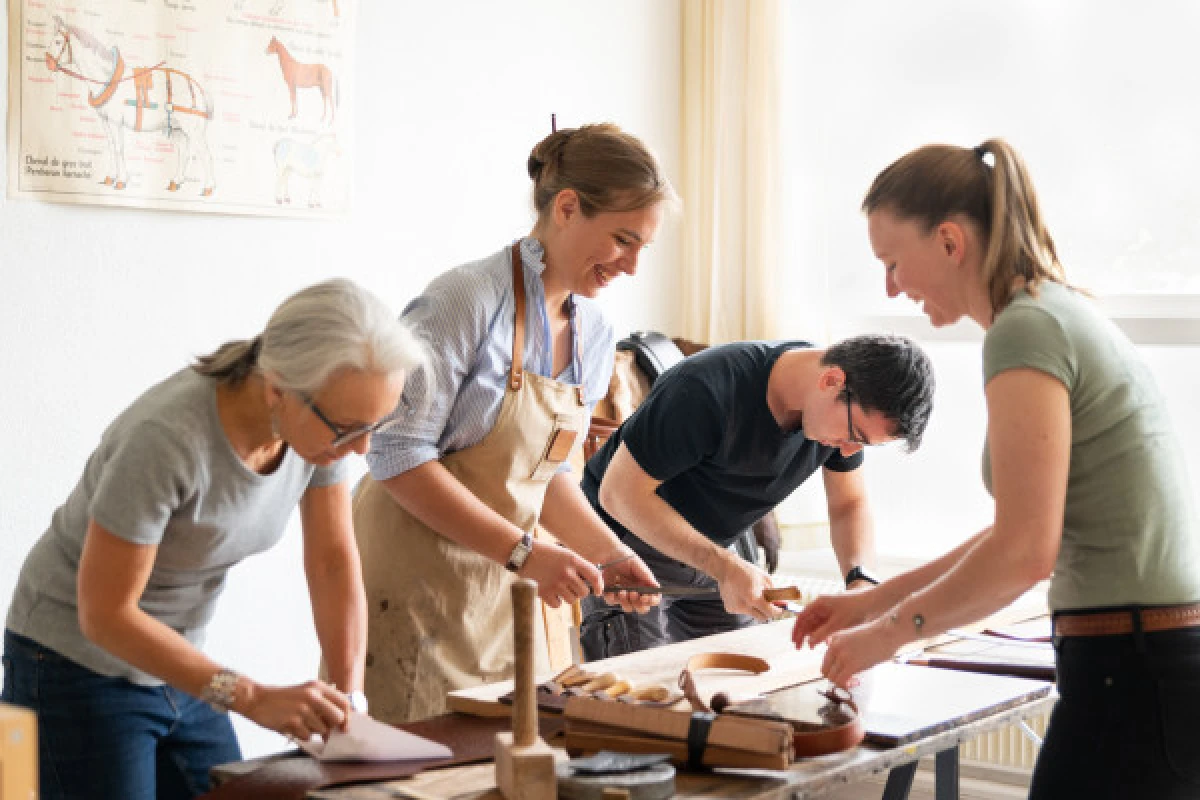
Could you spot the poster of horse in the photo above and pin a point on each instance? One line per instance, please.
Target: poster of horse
(229, 106)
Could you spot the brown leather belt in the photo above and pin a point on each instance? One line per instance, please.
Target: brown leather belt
(1114, 623)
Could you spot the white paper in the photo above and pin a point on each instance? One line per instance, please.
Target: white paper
(367, 739)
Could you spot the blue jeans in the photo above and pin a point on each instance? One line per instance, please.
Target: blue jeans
(1127, 724)
(101, 737)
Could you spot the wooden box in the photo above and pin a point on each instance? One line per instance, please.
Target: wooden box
(18, 753)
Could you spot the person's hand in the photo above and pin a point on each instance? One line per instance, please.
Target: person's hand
(854, 651)
(829, 614)
(742, 585)
(561, 575)
(297, 711)
(631, 572)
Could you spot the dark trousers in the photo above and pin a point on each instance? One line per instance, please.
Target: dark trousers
(608, 631)
(102, 738)
(1128, 722)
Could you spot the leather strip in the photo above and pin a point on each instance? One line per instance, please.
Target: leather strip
(518, 349)
(1115, 623)
(697, 737)
(687, 682)
(842, 730)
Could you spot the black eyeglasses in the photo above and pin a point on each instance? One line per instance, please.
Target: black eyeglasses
(852, 435)
(342, 435)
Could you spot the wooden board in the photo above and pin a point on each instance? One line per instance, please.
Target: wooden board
(662, 665)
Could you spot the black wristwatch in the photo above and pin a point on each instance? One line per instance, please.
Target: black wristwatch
(857, 573)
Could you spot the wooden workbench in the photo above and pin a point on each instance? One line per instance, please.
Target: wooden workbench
(811, 778)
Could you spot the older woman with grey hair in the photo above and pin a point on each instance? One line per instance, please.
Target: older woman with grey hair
(103, 636)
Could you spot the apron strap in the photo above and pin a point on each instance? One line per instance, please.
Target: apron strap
(516, 373)
(518, 350)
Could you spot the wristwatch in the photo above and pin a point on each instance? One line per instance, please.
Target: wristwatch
(221, 691)
(857, 573)
(520, 553)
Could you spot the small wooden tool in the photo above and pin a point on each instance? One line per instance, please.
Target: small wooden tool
(524, 762)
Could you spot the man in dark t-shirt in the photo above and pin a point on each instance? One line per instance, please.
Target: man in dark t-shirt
(724, 437)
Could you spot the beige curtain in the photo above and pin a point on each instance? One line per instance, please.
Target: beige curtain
(730, 176)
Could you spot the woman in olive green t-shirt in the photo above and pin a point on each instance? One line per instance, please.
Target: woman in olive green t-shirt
(1087, 475)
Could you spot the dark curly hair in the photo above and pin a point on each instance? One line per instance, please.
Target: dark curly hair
(890, 374)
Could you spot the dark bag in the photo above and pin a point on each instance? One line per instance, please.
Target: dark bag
(653, 352)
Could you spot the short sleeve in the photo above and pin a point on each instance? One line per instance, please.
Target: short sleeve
(840, 463)
(1026, 336)
(678, 426)
(148, 475)
(452, 318)
(335, 473)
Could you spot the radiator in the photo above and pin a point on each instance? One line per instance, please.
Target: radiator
(1007, 747)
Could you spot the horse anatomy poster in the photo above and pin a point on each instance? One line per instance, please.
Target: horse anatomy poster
(232, 106)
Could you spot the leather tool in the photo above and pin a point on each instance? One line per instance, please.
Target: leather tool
(524, 762)
(779, 595)
(639, 777)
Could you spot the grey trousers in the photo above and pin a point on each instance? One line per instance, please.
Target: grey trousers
(608, 631)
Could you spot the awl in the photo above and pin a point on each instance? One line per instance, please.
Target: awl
(770, 595)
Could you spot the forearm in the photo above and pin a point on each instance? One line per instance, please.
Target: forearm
(339, 607)
(568, 515)
(437, 498)
(989, 575)
(894, 590)
(655, 522)
(852, 535)
(142, 641)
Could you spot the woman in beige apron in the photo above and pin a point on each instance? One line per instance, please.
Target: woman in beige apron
(436, 534)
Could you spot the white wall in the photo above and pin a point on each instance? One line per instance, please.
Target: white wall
(96, 305)
(1090, 91)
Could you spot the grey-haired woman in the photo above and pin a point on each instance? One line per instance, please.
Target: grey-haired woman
(204, 469)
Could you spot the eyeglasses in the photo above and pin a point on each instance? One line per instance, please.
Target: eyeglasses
(852, 435)
(342, 435)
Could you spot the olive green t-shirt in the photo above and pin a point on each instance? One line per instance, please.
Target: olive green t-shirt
(1130, 532)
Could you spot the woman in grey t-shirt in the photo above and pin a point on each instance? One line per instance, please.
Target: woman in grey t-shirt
(103, 636)
(1087, 475)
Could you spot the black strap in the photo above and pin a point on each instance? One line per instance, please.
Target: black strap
(697, 740)
(653, 352)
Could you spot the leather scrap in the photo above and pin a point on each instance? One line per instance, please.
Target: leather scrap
(293, 775)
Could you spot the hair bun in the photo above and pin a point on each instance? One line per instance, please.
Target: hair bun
(534, 166)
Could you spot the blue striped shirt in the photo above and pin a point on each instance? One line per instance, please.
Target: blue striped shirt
(466, 317)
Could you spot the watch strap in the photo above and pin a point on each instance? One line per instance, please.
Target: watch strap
(520, 553)
(857, 573)
(221, 691)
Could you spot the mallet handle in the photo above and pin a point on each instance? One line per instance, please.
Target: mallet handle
(524, 714)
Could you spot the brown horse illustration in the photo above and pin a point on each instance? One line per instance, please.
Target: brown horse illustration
(304, 76)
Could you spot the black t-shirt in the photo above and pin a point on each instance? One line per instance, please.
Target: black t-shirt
(706, 432)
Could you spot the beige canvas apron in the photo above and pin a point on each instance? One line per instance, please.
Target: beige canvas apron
(439, 614)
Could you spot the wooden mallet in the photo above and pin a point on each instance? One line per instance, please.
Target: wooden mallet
(524, 762)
